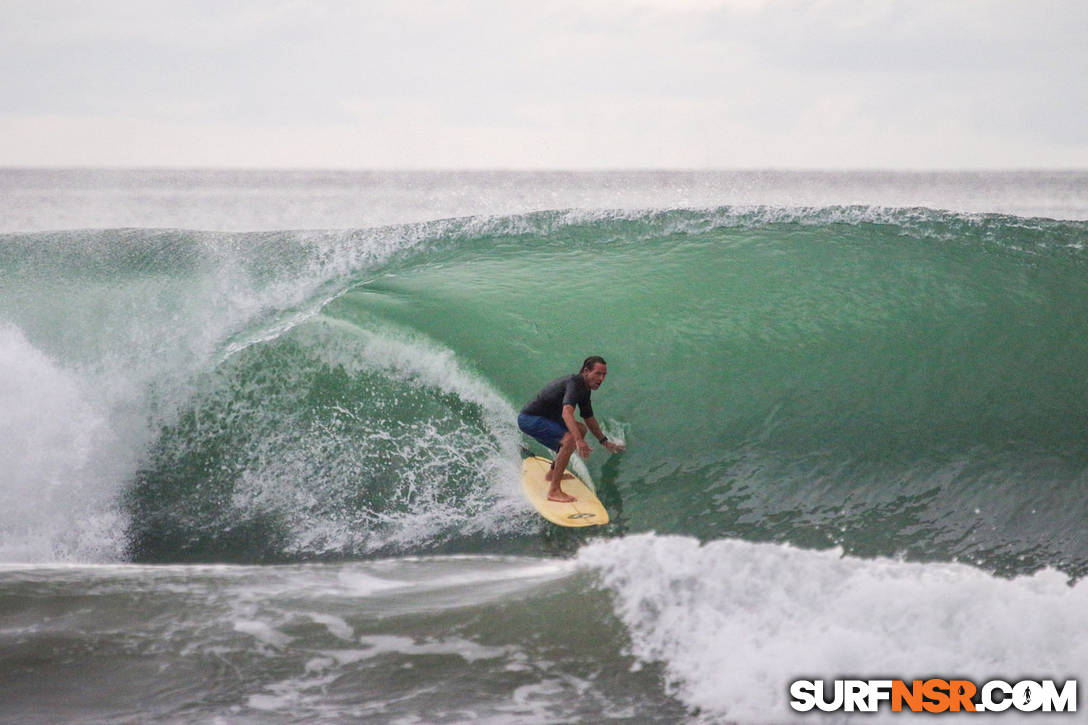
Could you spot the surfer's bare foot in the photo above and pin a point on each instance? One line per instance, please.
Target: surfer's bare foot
(560, 497)
(548, 476)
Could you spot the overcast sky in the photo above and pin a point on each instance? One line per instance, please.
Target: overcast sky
(545, 84)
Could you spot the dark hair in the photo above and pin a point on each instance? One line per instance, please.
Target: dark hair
(591, 362)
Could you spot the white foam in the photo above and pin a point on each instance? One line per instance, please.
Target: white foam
(263, 633)
(57, 483)
(383, 644)
(361, 584)
(336, 626)
(734, 622)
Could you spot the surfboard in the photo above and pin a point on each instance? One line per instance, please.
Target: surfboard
(587, 510)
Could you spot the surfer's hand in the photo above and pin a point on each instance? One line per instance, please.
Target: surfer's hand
(583, 449)
(614, 447)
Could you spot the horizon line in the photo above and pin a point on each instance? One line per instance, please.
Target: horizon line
(550, 169)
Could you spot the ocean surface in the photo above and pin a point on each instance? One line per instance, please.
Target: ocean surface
(259, 460)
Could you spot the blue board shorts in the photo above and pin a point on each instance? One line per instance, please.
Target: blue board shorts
(545, 430)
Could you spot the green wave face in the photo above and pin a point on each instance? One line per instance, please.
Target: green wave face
(890, 381)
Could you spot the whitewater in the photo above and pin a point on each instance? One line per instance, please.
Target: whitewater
(260, 461)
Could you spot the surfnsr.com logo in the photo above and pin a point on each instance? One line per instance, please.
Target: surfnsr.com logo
(934, 695)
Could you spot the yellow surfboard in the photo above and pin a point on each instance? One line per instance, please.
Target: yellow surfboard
(585, 511)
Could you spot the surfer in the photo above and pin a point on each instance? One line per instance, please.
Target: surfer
(549, 418)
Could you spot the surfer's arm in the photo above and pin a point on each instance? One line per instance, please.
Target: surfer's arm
(576, 431)
(595, 429)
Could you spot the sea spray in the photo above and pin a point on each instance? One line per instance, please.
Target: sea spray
(329, 441)
(59, 492)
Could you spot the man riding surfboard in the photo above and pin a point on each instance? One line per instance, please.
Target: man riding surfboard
(549, 418)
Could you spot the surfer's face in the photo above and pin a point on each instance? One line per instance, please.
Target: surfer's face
(595, 377)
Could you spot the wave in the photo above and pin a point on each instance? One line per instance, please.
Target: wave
(733, 622)
(888, 381)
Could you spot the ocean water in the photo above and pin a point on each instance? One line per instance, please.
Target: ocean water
(258, 457)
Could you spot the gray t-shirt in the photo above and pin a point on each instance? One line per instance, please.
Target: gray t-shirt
(567, 390)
